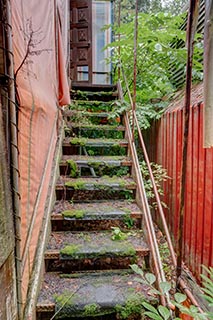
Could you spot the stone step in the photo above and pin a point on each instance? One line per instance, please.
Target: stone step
(94, 188)
(95, 146)
(91, 295)
(95, 131)
(92, 105)
(95, 250)
(108, 165)
(94, 216)
(98, 94)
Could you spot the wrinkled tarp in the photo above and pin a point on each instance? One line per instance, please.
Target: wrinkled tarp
(40, 48)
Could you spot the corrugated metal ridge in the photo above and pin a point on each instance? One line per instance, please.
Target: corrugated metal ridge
(179, 98)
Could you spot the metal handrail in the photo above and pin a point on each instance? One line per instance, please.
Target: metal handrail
(144, 205)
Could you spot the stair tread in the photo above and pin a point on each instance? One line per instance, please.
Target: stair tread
(97, 242)
(123, 205)
(94, 142)
(81, 159)
(95, 211)
(104, 289)
(96, 183)
(99, 126)
(103, 114)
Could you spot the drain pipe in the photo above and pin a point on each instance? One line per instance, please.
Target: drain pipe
(191, 30)
(14, 158)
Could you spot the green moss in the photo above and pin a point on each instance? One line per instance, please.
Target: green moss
(81, 184)
(128, 221)
(92, 309)
(78, 141)
(70, 250)
(78, 214)
(74, 172)
(132, 307)
(77, 185)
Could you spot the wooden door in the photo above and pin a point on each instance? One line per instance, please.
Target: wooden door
(81, 40)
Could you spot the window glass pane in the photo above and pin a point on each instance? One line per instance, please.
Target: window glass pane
(82, 73)
(102, 15)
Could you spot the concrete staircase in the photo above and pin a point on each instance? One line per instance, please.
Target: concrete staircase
(96, 223)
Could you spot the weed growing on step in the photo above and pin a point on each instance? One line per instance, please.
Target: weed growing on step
(160, 312)
(118, 235)
(74, 172)
(128, 221)
(133, 307)
(160, 175)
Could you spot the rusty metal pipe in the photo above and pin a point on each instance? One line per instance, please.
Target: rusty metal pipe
(135, 66)
(191, 29)
(14, 160)
(148, 218)
(166, 230)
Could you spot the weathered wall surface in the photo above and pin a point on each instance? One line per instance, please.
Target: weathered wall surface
(7, 269)
(166, 149)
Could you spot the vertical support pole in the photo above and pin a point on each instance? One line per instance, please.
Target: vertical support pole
(191, 30)
(119, 38)
(14, 158)
(208, 75)
(135, 68)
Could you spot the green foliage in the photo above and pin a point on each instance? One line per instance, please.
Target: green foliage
(74, 172)
(160, 175)
(128, 221)
(164, 313)
(118, 235)
(78, 141)
(133, 306)
(155, 55)
(208, 285)
(148, 112)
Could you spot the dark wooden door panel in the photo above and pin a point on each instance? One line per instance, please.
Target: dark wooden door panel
(81, 40)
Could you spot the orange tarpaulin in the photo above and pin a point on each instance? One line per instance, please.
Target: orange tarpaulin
(40, 63)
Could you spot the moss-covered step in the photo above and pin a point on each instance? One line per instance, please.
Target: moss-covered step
(95, 188)
(92, 105)
(108, 165)
(114, 249)
(87, 296)
(95, 146)
(93, 216)
(100, 95)
(85, 117)
(96, 131)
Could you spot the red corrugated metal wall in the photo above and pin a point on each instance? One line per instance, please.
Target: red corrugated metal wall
(166, 138)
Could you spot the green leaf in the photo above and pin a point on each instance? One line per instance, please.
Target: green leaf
(136, 269)
(149, 307)
(164, 312)
(150, 278)
(153, 315)
(179, 297)
(165, 287)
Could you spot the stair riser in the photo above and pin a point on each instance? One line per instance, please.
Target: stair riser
(100, 170)
(107, 263)
(88, 195)
(97, 133)
(92, 225)
(96, 151)
(95, 97)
